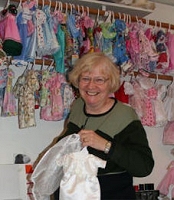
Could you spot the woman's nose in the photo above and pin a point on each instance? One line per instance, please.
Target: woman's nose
(91, 83)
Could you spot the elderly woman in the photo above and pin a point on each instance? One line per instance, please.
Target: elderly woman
(108, 128)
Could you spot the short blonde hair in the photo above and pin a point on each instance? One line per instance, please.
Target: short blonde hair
(88, 61)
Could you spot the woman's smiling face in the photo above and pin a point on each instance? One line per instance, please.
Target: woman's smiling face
(94, 88)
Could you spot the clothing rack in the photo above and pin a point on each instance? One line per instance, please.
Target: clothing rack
(102, 13)
(116, 15)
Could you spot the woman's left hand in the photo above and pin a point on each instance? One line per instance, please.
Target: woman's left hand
(92, 139)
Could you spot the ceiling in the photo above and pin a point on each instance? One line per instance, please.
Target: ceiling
(109, 4)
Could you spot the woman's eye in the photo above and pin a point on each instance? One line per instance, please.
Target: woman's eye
(86, 79)
(99, 80)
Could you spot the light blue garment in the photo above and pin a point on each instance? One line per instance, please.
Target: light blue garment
(51, 45)
(119, 51)
(31, 43)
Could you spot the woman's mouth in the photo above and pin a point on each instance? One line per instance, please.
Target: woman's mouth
(92, 93)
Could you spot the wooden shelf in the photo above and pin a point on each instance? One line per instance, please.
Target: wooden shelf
(159, 76)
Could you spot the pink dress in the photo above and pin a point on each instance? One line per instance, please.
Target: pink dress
(170, 46)
(136, 96)
(150, 94)
(53, 111)
(149, 117)
(10, 35)
(167, 180)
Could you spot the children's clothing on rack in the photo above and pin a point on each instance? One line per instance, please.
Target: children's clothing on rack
(66, 36)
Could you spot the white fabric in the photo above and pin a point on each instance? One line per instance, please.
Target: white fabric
(47, 174)
(80, 180)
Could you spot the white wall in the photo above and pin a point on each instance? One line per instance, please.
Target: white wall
(33, 140)
(29, 141)
(162, 13)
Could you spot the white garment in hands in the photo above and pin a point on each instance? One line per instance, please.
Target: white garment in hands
(80, 180)
(47, 174)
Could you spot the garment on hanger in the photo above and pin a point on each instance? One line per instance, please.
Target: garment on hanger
(3, 83)
(26, 27)
(169, 102)
(9, 107)
(3, 55)
(24, 89)
(59, 56)
(119, 50)
(9, 34)
(57, 105)
(160, 113)
(170, 42)
(168, 133)
(162, 49)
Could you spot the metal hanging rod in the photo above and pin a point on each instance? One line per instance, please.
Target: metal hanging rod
(102, 12)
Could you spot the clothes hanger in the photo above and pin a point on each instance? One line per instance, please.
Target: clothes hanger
(66, 8)
(50, 5)
(108, 14)
(119, 15)
(70, 8)
(97, 18)
(55, 8)
(8, 3)
(112, 17)
(83, 11)
(43, 4)
(51, 65)
(60, 6)
(87, 9)
(43, 64)
(78, 8)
